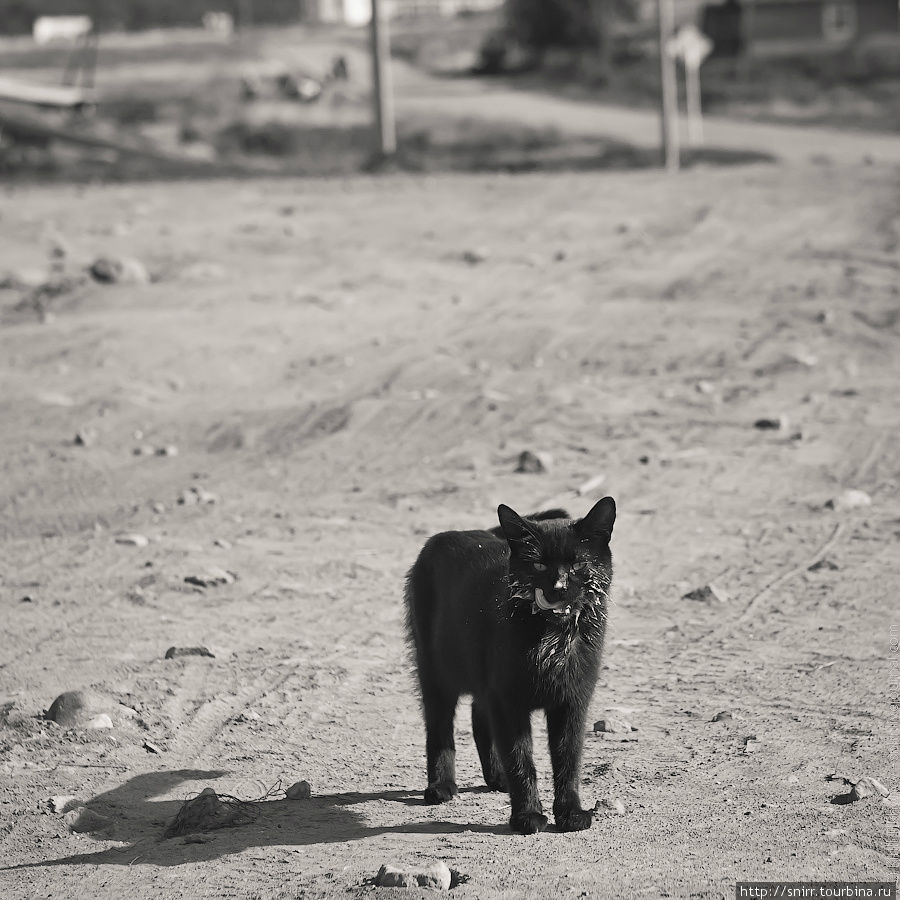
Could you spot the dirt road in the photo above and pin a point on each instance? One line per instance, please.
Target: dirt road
(349, 366)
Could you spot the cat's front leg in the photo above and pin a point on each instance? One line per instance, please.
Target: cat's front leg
(565, 730)
(511, 727)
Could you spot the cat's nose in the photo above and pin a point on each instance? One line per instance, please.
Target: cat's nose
(562, 581)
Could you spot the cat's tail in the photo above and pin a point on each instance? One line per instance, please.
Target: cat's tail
(543, 516)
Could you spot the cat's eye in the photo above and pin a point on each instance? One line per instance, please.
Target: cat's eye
(540, 567)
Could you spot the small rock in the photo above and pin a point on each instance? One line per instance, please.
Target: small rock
(175, 652)
(84, 820)
(751, 743)
(823, 564)
(211, 578)
(168, 450)
(705, 387)
(780, 423)
(86, 437)
(100, 722)
(723, 716)
(63, 803)
(610, 805)
(76, 708)
(299, 791)
(150, 747)
(132, 540)
(614, 725)
(23, 279)
(124, 270)
(849, 499)
(143, 450)
(158, 508)
(436, 876)
(709, 593)
(27, 599)
(534, 463)
(196, 495)
(474, 256)
(221, 542)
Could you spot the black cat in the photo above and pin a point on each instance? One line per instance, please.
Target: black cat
(515, 617)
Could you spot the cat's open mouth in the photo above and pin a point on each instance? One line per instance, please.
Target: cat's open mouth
(560, 608)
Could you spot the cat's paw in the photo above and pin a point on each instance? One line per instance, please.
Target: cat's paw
(573, 819)
(441, 792)
(528, 822)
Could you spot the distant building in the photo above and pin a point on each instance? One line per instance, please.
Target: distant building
(792, 25)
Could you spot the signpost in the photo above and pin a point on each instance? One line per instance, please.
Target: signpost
(668, 97)
(382, 91)
(691, 46)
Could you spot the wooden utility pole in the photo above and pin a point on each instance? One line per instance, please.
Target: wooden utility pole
(382, 92)
(668, 96)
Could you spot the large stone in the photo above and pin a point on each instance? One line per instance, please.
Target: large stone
(86, 821)
(436, 876)
(299, 791)
(77, 708)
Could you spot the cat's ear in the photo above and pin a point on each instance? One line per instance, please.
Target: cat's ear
(597, 525)
(522, 539)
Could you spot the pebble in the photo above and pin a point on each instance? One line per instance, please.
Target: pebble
(212, 577)
(709, 593)
(474, 256)
(150, 747)
(849, 499)
(299, 791)
(143, 450)
(823, 564)
(84, 820)
(63, 803)
(175, 652)
(132, 540)
(611, 805)
(168, 450)
(194, 495)
(100, 722)
(614, 725)
(751, 742)
(121, 270)
(534, 463)
(436, 876)
(86, 437)
(780, 423)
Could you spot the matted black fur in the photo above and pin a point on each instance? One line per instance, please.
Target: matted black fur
(514, 616)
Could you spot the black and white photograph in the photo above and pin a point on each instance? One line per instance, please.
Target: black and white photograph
(449, 447)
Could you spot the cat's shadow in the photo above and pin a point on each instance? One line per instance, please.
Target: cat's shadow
(140, 822)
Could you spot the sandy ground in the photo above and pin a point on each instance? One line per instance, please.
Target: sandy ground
(336, 373)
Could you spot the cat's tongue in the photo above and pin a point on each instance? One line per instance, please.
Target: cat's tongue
(561, 607)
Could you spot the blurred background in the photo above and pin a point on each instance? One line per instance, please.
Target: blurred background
(135, 88)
